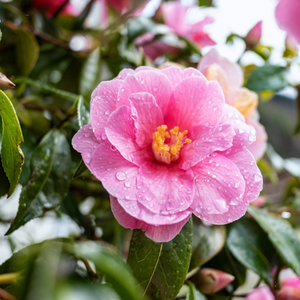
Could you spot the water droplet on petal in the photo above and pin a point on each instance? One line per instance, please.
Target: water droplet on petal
(121, 176)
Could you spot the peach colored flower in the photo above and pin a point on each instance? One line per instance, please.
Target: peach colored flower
(230, 77)
(165, 145)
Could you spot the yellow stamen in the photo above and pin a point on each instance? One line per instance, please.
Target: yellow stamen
(168, 152)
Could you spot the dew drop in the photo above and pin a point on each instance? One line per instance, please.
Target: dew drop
(121, 176)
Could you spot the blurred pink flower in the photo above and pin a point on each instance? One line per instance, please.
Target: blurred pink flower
(50, 7)
(259, 202)
(230, 76)
(211, 281)
(254, 35)
(165, 145)
(175, 15)
(290, 289)
(262, 293)
(287, 15)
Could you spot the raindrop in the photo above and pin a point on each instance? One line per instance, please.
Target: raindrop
(121, 176)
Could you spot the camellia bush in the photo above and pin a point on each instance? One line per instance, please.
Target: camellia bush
(152, 148)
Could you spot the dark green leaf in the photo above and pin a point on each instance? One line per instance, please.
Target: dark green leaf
(80, 169)
(90, 74)
(12, 138)
(194, 294)
(49, 181)
(207, 242)
(4, 183)
(116, 271)
(47, 88)
(267, 77)
(161, 268)
(251, 247)
(205, 2)
(27, 51)
(83, 15)
(83, 114)
(281, 235)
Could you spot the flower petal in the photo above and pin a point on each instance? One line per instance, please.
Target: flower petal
(195, 101)
(157, 233)
(219, 186)
(117, 175)
(164, 189)
(245, 162)
(103, 103)
(147, 117)
(146, 81)
(85, 142)
(205, 141)
(121, 133)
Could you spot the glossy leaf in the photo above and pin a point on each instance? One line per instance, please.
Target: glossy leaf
(267, 77)
(82, 112)
(116, 271)
(251, 247)
(49, 180)
(27, 51)
(193, 293)
(12, 138)
(161, 268)
(80, 169)
(281, 235)
(4, 183)
(90, 75)
(207, 243)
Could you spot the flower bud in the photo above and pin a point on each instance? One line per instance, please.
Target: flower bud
(210, 280)
(262, 293)
(5, 83)
(253, 36)
(259, 202)
(290, 289)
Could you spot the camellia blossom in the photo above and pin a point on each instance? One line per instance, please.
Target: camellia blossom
(262, 293)
(50, 7)
(165, 145)
(175, 15)
(287, 15)
(230, 76)
(290, 289)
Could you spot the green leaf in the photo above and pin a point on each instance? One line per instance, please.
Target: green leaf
(80, 169)
(281, 235)
(250, 246)
(49, 180)
(27, 51)
(205, 2)
(4, 186)
(116, 271)
(82, 112)
(161, 268)
(265, 167)
(267, 78)
(47, 88)
(207, 242)
(12, 138)
(193, 293)
(90, 74)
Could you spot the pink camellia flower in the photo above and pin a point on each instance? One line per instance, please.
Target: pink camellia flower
(50, 7)
(165, 145)
(290, 289)
(253, 36)
(262, 293)
(287, 15)
(175, 15)
(230, 76)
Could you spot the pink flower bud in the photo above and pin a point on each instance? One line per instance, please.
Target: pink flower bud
(5, 83)
(211, 280)
(254, 35)
(262, 293)
(259, 202)
(290, 289)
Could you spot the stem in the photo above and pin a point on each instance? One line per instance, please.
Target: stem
(8, 278)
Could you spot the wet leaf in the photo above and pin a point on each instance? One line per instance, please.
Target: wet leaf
(194, 294)
(82, 112)
(80, 169)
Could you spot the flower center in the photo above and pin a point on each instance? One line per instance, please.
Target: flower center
(168, 152)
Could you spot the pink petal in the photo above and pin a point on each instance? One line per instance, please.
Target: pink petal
(164, 189)
(287, 16)
(103, 103)
(250, 172)
(232, 70)
(259, 147)
(205, 141)
(123, 74)
(195, 101)
(262, 293)
(117, 175)
(147, 117)
(85, 142)
(219, 188)
(146, 81)
(121, 133)
(160, 233)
